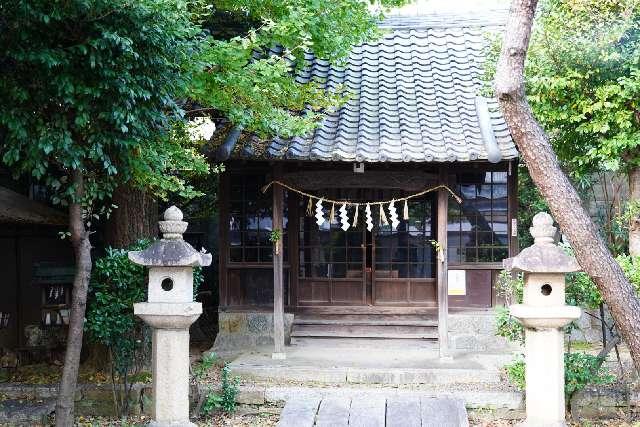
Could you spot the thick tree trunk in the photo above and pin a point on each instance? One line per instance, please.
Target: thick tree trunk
(82, 250)
(634, 224)
(564, 202)
(135, 218)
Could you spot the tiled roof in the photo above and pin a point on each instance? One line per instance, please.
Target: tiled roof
(414, 97)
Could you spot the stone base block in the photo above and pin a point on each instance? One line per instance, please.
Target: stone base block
(172, 424)
(476, 331)
(243, 331)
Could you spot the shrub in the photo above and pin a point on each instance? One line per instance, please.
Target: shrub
(508, 327)
(116, 284)
(226, 399)
(515, 372)
(580, 370)
(201, 368)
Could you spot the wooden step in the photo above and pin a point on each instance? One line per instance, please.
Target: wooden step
(364, 331)
(350, 343)
(366, 319)
(353, 321)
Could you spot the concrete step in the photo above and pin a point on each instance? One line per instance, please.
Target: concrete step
(498, 398)
(390, 412)
(353, 375)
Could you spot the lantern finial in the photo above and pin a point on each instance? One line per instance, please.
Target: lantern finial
(173, 227)
(543, 231)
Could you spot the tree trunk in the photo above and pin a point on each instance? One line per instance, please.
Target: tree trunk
(82, 250)
(135, 218)
(634, 223)
(564, 202)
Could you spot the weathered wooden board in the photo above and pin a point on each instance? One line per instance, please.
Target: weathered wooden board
(443, 412)
(403, 412)
(367, 412)
(333, 412)
(299, 413)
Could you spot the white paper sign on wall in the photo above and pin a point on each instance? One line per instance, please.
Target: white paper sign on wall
(457, 282)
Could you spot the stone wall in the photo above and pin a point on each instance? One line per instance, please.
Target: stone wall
(476, 331)
(587, 327)
(243, 331)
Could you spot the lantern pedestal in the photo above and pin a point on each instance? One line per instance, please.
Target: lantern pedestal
(544, 314)
(170, 312)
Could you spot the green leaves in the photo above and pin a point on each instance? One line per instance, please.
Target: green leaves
(583, 81)
(92, 85)
(250, 76)
(580, 370)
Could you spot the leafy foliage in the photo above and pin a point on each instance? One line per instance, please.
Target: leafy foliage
(510, 287)
(248, 72)
(516, 372)
(202, 367)
(530, 202)
(508, 327)
(583, 81)
(580, 370)
(116, 284)
(226, 399)
(91, 85)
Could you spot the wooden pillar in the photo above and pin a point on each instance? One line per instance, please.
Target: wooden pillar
(443, 292)
(278, 255)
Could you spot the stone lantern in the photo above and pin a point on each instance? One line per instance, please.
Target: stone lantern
(544, 314)
(170, 311)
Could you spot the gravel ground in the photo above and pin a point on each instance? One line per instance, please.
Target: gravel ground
(217, 420)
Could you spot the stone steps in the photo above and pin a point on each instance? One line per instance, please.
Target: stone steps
(394, 327)
(353, 375)
(331, 343)
(494, 397)
(380, 412)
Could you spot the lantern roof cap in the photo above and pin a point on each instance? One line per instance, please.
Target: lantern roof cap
(544, 256)
(171, 250)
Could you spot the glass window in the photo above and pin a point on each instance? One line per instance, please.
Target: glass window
(328, 251)
(250, 222)
(407, 251)
(477, 228)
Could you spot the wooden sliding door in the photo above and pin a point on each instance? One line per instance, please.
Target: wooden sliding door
(357, 267)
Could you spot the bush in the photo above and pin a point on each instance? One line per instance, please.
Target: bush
(202, 367)
(580, 370)
(508, 327)
(515, 373)
(116, 284)
(226, 399)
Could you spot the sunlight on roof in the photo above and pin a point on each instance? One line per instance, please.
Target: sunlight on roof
(422, 7)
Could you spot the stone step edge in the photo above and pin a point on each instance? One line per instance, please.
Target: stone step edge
(474, 398)
(347, 375)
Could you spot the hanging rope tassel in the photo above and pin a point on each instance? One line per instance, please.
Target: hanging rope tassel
(333, 212)
(393, 215)
(344, 217)
(383, 216)
(405, 210)
(355, 217)
(310, 207)
(319, 213)
(367, 210)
